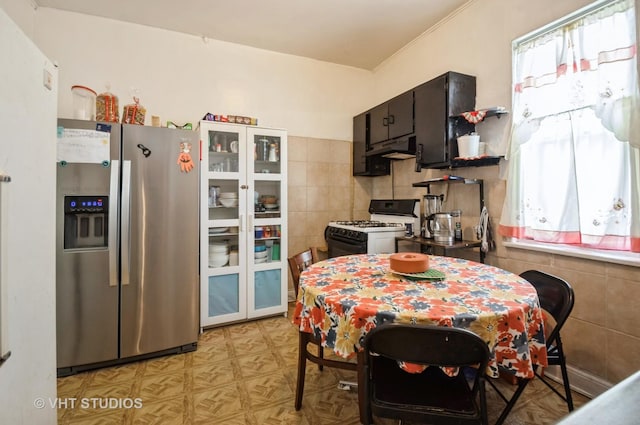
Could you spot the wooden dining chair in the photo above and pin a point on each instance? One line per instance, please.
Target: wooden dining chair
(556, 299)
(297, 264)
(430, 396)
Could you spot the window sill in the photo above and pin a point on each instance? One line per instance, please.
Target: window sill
(618, 257)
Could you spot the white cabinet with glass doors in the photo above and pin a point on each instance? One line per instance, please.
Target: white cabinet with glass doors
(243, 222)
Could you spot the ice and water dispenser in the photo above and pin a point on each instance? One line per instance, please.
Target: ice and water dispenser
(85, 221)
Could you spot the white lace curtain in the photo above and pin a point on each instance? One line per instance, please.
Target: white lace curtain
(574, 162)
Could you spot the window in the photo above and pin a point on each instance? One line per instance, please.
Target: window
(574, 162)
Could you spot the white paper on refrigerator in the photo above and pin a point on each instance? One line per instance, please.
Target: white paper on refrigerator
(78, 145)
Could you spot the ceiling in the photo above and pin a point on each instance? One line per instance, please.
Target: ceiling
(358, 33)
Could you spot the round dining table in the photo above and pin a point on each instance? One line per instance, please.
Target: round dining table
(341, 299)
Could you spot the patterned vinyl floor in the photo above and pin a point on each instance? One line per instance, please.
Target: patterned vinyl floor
(244, 374)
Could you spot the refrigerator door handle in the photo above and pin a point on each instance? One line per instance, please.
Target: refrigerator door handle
(126, 221)
(113, 223)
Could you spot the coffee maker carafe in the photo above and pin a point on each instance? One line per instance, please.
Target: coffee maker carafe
(432, 205)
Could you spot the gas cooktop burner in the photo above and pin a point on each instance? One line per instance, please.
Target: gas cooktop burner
(368, 223)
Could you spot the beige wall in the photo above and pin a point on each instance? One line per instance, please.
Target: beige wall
(181, 77)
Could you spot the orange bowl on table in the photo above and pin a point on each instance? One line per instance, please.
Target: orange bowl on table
(409, 262)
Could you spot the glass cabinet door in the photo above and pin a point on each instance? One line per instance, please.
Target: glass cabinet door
(224, 246)
(223, 268)
(225, 173)
(267, 278)
(267, 289)
(266, 244)
(223, 296)
(266, 171)
(224, 150)
(267, 151)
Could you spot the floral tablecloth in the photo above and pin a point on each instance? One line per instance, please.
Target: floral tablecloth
(343, 298)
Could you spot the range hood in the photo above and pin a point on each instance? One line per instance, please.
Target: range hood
(400, 148)
(403, 207)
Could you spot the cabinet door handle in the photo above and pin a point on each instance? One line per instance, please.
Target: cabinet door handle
(391, 119)
(385, 121)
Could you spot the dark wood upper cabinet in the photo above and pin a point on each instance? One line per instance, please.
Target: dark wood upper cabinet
(392, 119)
(359, 144)
(363, 165)
(420, 122)
(431, 107)
(436, 102)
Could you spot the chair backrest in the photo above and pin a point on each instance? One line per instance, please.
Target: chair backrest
(299, 262)
(429, 395)
(556, 297)
(427, 345)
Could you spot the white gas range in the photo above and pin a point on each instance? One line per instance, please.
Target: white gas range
(389, 219)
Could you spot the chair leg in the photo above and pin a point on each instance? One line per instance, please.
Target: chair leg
(560, 361)
(321, 355)
(483, 402)
(565, 376)
(522, 384)
(366, 416)
(567, 388)
(302, 366)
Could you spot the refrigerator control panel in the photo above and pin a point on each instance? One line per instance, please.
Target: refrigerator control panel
(86, 222)
(85, 204)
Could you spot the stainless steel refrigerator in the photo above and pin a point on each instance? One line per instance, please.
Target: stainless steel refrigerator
(126, 243)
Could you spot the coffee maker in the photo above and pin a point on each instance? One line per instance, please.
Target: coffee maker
(432, 204)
